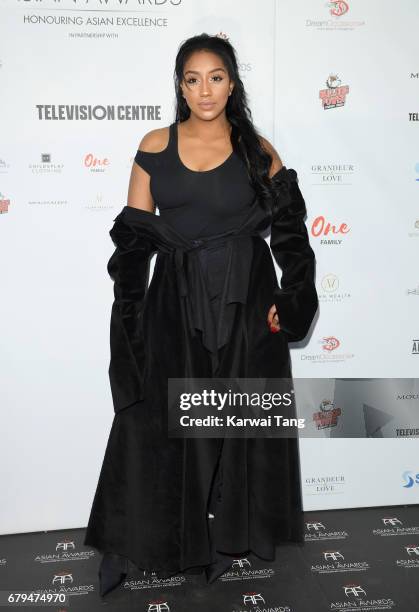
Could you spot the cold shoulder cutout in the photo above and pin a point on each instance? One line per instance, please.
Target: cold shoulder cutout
(150, 160)
(146, 160)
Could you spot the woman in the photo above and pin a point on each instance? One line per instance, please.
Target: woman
(213, 309)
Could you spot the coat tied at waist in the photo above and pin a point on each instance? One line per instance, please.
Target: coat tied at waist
(138, 233)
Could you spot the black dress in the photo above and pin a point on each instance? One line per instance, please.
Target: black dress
(168, 505)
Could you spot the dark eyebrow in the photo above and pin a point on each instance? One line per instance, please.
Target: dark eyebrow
(197, 71)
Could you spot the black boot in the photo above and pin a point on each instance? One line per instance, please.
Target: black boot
(112, 571)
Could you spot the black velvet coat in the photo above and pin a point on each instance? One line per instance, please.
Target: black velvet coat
(151, 500)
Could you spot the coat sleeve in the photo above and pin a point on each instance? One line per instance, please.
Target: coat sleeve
(296, 300)
(129, 269)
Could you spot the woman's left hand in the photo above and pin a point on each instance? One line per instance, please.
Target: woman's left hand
(273, 319)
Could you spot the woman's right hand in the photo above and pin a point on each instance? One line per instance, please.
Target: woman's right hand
(273, 319)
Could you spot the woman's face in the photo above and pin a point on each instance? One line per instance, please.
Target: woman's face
(206, 85)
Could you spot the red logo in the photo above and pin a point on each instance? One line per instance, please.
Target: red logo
(338, 8)
(321, 227)
(330, 343)
(335, 94)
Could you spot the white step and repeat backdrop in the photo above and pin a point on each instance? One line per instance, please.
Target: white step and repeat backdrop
(334, 85)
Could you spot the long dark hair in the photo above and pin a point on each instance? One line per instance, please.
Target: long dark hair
(256, 158)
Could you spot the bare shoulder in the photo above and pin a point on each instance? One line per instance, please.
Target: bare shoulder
(276, 160)
(139, 189)
(155, 141)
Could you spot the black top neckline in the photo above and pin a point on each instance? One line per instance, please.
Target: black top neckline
(174, 135)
